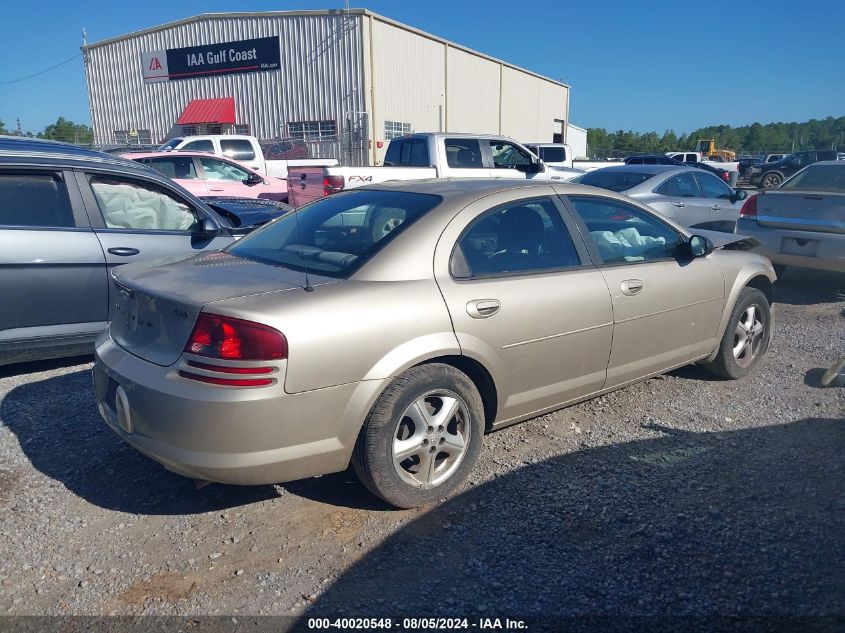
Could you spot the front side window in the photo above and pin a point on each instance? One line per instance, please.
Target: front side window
(204, 145)
(523, 236)
(712, 187)
(221, 170)
(237, 149)
(681, 185)
(463, 153)
(625, 234)
(178, 167)
(337, 234)
(34, 200)
(508, 156)
(136, 205)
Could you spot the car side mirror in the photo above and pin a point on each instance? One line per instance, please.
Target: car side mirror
(253, 179)
(700, 246)
(739, 195)
(535, 167)
(207, 229)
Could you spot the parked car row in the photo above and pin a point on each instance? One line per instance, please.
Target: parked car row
(771, 174)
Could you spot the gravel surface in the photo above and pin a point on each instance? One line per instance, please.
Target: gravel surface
(683, 494)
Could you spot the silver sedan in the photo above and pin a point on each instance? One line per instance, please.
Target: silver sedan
(692, 197)
(391, 327)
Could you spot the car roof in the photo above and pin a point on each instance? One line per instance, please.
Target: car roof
(164, 153)
(16, 150)
(645, 169)
(838, 163)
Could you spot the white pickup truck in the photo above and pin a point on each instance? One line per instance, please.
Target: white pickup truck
(429, 155)
(268, 158)
(698, 157)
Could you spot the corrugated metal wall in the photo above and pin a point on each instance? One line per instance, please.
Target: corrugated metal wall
(415, 76)
(321, 76)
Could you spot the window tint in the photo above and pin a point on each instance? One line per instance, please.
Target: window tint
(199, 146)
(712, 187)
(34, 200)
(216, 169)
(130, 204)
(237, 149)
(552, 154)
(463, 153)
(507, 155)
(410, 153)
(610, 178)
(623, 233)
(337, 234)
(173, 166)
(681, 185)
(523, 236)
(818, 178)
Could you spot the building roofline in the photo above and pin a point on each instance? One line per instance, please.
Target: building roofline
(283, 14)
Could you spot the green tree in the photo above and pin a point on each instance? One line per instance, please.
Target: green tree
(67, 131)
(3, 129)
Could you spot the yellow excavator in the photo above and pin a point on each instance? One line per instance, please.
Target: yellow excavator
(707, 147)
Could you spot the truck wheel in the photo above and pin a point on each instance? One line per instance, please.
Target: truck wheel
(422, 436)
(746, 338)
(771, 180)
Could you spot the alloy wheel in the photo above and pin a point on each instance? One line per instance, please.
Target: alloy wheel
(748, 336)
(431, 439)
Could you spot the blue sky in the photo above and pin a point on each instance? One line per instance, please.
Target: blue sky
(636, 64)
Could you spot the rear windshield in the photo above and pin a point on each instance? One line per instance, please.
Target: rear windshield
(552, 154)
(170, 144)
(613, 180)
(818, 178)
(335, 235)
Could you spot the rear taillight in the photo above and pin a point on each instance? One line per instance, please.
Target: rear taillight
(227, 338)
(726, 176)
(749, 208)
(332, 184)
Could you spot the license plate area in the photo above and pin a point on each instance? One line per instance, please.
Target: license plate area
(799, 246)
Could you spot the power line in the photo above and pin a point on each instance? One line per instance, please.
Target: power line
(41, 72)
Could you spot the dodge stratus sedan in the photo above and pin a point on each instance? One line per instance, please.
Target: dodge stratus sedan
(391, 327)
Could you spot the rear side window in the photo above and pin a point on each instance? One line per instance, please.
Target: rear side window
(463, 153)
(818, 178)
(37, 200)
(173, 166)
(237, 149)
(335, 235)
(199, 146)
(523, 236)
(553, 154)
(407, 153)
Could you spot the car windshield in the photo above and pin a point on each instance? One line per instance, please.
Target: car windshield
(818, 178)
(335, 235)
(613, 180)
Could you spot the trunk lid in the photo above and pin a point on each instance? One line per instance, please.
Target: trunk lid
(154, 305)
(305, 184)
(819, 211)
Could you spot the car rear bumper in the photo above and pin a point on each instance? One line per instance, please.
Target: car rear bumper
(805, 249)
(255, 435)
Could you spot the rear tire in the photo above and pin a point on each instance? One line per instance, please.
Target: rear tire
(746, 337)
(771, 180)
(422, 436)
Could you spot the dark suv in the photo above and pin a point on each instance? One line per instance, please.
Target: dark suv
(770, 175)
(67, 216)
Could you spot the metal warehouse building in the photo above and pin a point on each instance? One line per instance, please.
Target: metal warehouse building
(348, 77)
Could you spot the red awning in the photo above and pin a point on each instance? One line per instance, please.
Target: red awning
(209, 111)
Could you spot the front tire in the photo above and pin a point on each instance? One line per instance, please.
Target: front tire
(746, 338)
(771, 180)
(422, 436)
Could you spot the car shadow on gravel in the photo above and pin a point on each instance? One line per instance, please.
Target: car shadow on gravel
(31, 367)
(61, 433)
(802, 286)
(746, 523)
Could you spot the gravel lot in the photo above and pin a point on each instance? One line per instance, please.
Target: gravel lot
(681, 495)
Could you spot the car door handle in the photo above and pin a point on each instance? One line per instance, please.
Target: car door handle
(717, 207)
(483, 308)
(632, 286)
(216, 189)
(680, 204)
(123, 251)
